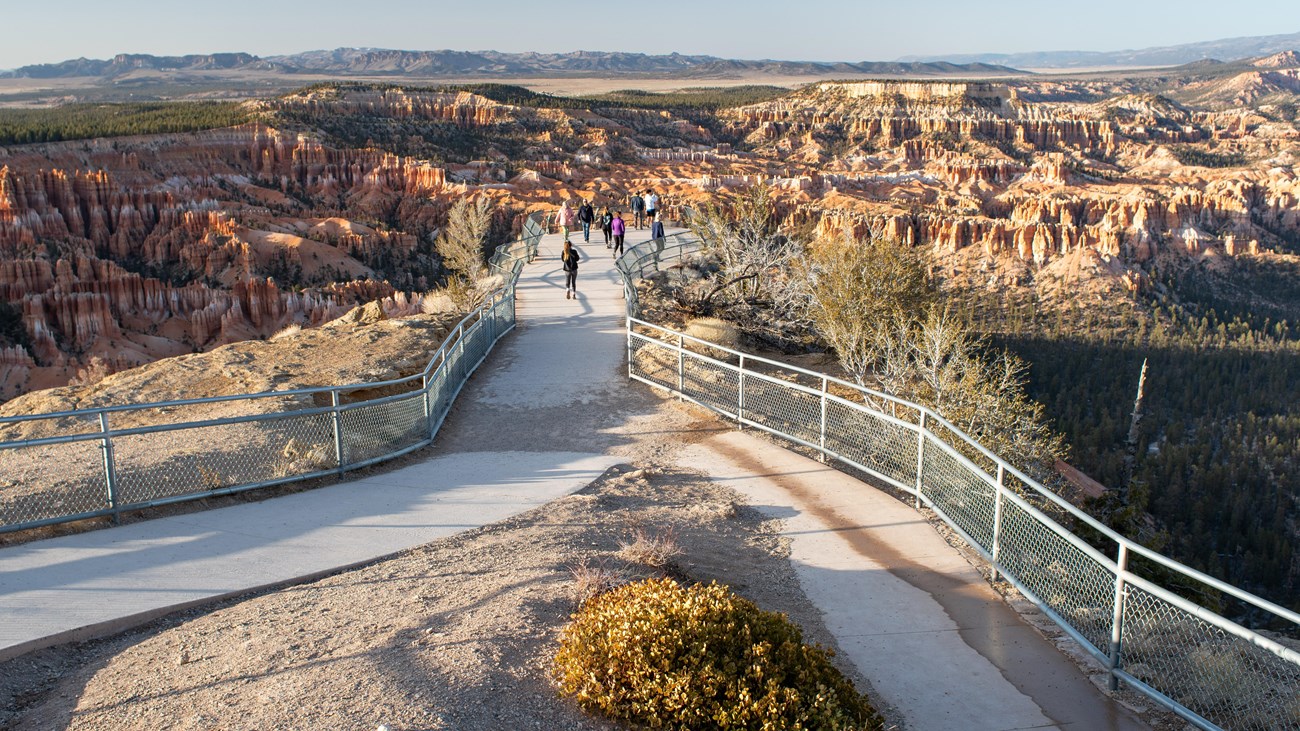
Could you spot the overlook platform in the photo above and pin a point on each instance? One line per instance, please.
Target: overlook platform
(537, 422)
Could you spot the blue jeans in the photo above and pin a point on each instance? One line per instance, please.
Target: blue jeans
(586, 230)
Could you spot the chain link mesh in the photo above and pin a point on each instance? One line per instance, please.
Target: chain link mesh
(871, 441)
(30, 491)
(180, 462)
(962, 494)
(710, 383)
(783, 409)
(1078, 588)
(375, 431)
(654, 361)
(1220, 676)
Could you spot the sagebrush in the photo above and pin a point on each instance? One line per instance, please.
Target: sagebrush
(665, 656)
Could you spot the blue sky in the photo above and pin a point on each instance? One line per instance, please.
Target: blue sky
(825, 30)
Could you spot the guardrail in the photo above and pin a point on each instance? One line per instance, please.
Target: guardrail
(1111, 595)
(89, 466)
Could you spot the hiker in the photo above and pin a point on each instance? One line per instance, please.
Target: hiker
(657, 235)
(606, 223)
(586, 215)
(564, 217)
(651, 207)
(570, 258)
(638, 209)
(619, 229)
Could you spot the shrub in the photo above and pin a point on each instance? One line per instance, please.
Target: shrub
(655, 653)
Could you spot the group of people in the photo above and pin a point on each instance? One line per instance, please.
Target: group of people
(645, 210)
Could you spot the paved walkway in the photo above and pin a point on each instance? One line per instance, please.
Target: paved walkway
(544, 417)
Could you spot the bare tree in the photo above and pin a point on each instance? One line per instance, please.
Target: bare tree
(461, 246)
(755, 254)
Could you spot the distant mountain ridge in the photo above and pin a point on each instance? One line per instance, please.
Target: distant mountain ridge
(399, 63)
(1226, 49)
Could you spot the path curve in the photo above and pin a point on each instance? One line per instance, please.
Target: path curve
(548, 413)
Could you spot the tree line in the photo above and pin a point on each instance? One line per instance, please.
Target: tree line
(89, 121)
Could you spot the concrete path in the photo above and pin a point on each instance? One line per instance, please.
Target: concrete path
(91, 584)
(548, 412)
(906, 608)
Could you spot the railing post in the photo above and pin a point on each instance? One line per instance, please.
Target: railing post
(338, 429)
(460, 352)
(740, 395)
(428, 406)
(110, 467)
(681, 368)
(628, 319)
(997, 518)
(1117, 621)
(822, 454)
(920, 458)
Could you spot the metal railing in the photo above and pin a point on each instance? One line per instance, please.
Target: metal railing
(89, 463)
(1112, 595)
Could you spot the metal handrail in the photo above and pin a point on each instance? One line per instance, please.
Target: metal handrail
(633, 266)
(442, 378)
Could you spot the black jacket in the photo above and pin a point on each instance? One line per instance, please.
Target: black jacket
(571, 262)
(586, 213)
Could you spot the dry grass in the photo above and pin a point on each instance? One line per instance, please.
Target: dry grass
(591, 580)
(715, 331)
(650, 549)
(287, 331)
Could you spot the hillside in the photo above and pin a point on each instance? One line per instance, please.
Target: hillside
(1226, 49)
(487, 64)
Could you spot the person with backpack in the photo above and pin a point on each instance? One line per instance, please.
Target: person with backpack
(570, 258)
(586, 215)
(651, 207)
(638, 209)
(619, 230)
(606, 223)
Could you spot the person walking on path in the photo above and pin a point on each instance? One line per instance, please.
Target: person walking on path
(586, 215)
(570, 258)
(606, 222)
(638, 209)
(564, 217)
(619, 229)
(651, 207)
(657, 236)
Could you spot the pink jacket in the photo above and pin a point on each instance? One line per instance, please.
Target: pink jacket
(567, 216)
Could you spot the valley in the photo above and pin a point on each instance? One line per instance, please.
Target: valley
(1085, 222)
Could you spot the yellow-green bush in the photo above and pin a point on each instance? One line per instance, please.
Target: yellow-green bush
(664, 656)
